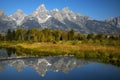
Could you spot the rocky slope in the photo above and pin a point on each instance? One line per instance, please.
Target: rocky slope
(6, 22)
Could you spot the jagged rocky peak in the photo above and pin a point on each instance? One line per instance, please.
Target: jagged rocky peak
(18, 16)
(54, 11)
(41, 13)
(4, 17)
(41, 8)
(66, 10)
(68, 14)
(2, 14)
(115, 21)
(62, 14)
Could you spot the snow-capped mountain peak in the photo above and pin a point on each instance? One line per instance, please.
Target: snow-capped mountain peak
(41, 8)
(41, 13)
(66, 10)
(18, 16)
(68, 14)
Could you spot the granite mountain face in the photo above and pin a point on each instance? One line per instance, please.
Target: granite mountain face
(114, 21)
(63, 19)
(18, 16)
(6, 22)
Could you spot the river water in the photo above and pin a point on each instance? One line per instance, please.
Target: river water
(57, 68)
(54, 68)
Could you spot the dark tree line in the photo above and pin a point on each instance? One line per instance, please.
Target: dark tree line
(47, 35)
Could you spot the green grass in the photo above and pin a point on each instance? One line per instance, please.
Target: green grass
(104, 53)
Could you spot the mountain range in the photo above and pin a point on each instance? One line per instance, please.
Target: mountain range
(63, 19)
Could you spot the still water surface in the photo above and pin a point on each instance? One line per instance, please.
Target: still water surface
(57, 68)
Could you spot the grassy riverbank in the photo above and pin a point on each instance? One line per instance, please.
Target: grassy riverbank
(81, 50)
(46, 42)
(103, 53)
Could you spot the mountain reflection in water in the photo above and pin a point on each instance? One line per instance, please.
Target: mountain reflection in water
(42, 65)
(56, 68)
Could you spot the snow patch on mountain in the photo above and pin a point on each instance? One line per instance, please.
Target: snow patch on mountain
(18, 16)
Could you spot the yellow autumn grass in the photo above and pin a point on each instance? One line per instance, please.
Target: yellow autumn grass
(69, 47)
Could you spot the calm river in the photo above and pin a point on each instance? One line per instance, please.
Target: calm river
(56, 68)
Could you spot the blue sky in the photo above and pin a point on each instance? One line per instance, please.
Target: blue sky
(96, 9)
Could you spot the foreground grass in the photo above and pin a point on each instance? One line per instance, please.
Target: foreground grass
(104, 53)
